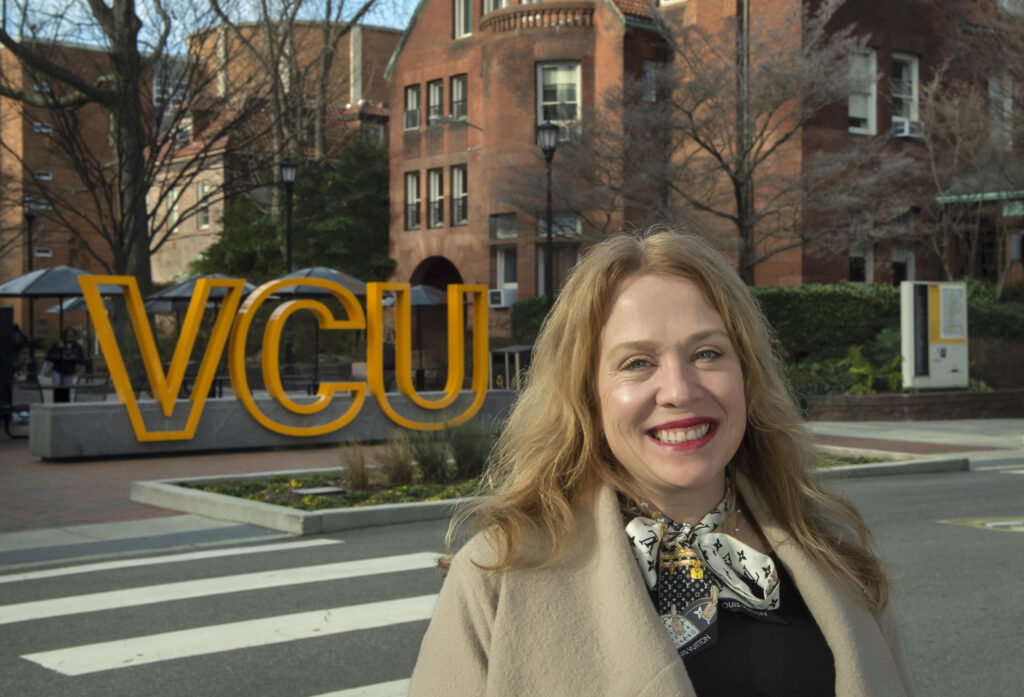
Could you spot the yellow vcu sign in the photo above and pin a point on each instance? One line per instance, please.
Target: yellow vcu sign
(231, 328)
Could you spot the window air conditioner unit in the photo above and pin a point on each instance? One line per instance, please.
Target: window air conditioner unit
(902, 127)
(501, 297)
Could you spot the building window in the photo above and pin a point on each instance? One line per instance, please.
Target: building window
(558, 95)
(862, 263)
(566, 256)
(458, 94)
(863, 92)
(902, 263)
(463, 18)
(412, 200)
(435, 101)
(43, 252)
(492, 5)
(1000, 111)
(41, 127)
(506, 275)
(43, 175)
(904, 86)
(503, 226)
(412, 107)
(460, 195)
(202, 203)
(562, 225)
(374, 132)
(172, 209)
(435, 198)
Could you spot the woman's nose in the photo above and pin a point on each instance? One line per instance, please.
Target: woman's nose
(679, 384)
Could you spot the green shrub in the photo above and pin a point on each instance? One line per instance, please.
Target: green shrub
(430, 451)
(470, 446)
(823, 321)
(527, 317)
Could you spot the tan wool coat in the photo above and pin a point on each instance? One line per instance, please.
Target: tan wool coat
(585, 625)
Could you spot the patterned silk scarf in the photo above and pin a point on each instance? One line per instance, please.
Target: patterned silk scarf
(689, 570)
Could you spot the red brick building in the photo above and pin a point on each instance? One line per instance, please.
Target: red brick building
(471, 81)
(34, 170)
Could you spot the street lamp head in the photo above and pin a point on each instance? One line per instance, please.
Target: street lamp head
(28, 207)
(547, 139)
(288, 171)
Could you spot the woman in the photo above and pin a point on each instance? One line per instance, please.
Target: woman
(655, 526)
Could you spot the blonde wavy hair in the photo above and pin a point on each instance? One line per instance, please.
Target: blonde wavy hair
(551, 456)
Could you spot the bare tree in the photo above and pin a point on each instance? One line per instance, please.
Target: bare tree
(115, 208)
(297, 72)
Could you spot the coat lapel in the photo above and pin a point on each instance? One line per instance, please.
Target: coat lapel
(864, 663)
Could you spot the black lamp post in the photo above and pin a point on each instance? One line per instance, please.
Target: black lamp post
(288, 171)
(28, 207)
(547, 139)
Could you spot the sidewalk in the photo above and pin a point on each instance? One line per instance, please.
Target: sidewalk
(51, 510)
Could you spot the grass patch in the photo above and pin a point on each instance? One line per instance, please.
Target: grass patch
(833, 460)
(280, 491)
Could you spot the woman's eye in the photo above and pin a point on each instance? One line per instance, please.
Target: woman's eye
(706, 355)
(636, 364)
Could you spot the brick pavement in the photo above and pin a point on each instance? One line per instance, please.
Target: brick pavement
(38, 494)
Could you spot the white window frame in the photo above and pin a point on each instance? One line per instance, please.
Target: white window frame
(866, 70)
(42, 127)
(42, 252)
(43, 175)
(565, 124)
(463, 18)
(564, 225)
(435, 198)
(202, 203)
(866, 252)
(460, 194)
(411, 118)
(506, 261)
(913, 95)
(173, 212)
(541, 253)
(492, 5)
(412, 198)
(458, 89)
(435, 100)
(905, 254)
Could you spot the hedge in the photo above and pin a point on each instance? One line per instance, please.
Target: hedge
(822, 321)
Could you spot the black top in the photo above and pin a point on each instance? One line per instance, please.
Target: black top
(754, 657)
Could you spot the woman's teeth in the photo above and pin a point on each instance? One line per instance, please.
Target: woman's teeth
(682, 435)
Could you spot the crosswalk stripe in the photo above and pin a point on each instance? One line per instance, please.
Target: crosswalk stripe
(146, 595)
(135, 651)
(395, 688)
(165, 559)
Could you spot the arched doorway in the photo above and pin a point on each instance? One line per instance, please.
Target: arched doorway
(429, 329)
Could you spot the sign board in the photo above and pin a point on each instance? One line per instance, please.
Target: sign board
(230, 333)
(933, 334)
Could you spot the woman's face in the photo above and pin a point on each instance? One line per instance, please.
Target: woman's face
(670, 388)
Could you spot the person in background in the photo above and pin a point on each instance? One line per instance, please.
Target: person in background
(654, 524)
(68, 359)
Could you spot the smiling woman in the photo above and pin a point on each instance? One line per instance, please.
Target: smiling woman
(654, 525)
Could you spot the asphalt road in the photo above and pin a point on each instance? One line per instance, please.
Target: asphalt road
(305, 629)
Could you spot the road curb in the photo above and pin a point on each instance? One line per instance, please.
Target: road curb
(919, 466)
(168, 493)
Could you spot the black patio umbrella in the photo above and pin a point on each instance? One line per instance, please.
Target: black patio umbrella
(351, 283)
(179, 296)
(347, 281)
(421, 296)
(51, 282)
